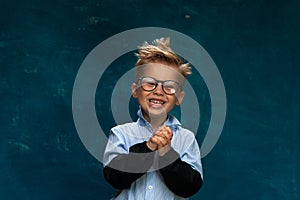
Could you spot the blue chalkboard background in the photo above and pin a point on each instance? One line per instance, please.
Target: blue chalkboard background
(255, 45)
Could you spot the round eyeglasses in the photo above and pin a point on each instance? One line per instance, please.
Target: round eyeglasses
(149, 84)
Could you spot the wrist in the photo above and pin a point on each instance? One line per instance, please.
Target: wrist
(151, 146)
(162, 151)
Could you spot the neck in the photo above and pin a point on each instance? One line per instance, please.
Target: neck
(155, 121)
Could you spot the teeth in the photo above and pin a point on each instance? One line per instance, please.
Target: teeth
(156, 101)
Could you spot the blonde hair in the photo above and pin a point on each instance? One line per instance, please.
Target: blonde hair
(160, 51)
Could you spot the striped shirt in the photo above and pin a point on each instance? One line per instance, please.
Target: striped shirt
(151, 185)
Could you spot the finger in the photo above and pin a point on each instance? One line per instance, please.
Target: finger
(163, 147)
(166, 134)
(157, 140)
(164, 141)
(154, 139)
(161, 133)
(158, 132)
(161, 141)
(167, 128)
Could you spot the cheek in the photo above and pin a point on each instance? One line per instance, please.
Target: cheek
(172, 100)
(142, 94)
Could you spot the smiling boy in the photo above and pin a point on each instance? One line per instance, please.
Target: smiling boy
(155, 157)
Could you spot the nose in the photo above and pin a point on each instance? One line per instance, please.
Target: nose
(159, 90)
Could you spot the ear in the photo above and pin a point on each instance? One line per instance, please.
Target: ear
(133, 90)
(179, 98)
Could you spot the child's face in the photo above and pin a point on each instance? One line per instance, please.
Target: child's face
(157, 102)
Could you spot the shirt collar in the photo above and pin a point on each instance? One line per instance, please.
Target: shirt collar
(171, 121)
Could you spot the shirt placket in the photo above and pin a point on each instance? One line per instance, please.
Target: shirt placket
(150, 186)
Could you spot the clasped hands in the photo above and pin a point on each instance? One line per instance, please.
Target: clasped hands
(161, 140)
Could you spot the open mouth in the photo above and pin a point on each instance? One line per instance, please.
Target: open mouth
(156, 101)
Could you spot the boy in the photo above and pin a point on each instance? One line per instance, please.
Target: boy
(154, 157)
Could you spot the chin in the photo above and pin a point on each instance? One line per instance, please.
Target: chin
(157, 113)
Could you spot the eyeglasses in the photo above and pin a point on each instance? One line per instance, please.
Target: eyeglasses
(149, 84)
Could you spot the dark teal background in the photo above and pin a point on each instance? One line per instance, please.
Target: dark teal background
(255, 45)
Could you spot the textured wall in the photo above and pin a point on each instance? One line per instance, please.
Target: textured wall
(254, 44)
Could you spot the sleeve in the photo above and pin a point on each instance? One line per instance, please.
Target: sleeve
(125, 168)
(183, 175)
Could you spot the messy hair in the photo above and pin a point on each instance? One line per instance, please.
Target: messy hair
(160, 51)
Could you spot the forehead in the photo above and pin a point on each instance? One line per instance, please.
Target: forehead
(159, 71)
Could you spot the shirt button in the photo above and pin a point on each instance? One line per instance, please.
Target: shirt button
(150, 187)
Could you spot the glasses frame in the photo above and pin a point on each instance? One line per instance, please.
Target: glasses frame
(156, 84)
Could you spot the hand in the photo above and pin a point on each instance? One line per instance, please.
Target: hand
(161, 140)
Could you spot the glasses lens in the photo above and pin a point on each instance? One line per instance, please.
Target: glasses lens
(148, 83)
(170, 87)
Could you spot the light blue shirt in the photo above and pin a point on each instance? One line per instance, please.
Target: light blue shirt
(151, 185)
